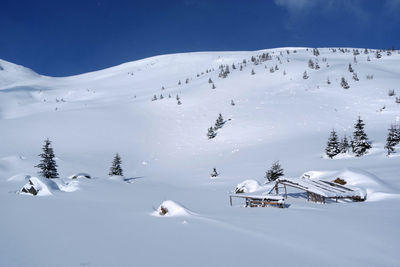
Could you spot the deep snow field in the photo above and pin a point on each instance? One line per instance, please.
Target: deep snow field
(167, 157)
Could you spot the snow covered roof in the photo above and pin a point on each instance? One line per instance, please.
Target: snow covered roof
(270, 197)
(322, 188)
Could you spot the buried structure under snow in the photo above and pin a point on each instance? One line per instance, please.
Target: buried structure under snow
(320, 190)
(317, 191)
(260, 200)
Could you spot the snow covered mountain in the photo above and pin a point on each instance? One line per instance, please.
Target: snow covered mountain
(279, 113)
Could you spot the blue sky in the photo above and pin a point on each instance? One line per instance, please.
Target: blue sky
(60, 38)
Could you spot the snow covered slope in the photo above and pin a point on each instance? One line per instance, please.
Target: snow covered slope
(166, 155)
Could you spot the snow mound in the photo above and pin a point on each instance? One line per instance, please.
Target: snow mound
(375, 188)
(248, 186)
(39, 187)
(170, 208)
(70, 186)
(117, 178)
(19, 177)
(80, 175)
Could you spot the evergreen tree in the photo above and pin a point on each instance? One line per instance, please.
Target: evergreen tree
(213, 86)
(310, 64)
(344, 145)
(397, 133)
(47, 165)
(332, 147)
(393, 139)
(252, 72)
(360, 144)
(344, 83)
(232, 103)
(211, 134)
(275, 172)
(209, 80)
(219, 122)
(154, 98)
(223, 72)
(214, 173)
(305, 76)
(350, 68)
(116, 169)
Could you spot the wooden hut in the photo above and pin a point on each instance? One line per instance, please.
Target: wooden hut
(260, 200)
(319, 190)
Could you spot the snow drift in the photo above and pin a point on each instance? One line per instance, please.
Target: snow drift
(39, 187)
(170, 208)
(248, 186)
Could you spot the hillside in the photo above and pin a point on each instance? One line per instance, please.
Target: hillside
(166, 155)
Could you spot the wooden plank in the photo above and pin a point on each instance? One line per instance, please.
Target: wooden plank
(285, 191)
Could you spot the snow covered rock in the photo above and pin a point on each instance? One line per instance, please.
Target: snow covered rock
(170, 208)
(39, 186)
(248, 186)
(80, 175)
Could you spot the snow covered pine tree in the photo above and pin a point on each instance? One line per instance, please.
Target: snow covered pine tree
(219, 122)
(116, 169)
(275, 172)
(214, 173)
(47, 166)
(344, 145)
(392, 140)
(332, 147)
(211, 134)
(360, 144)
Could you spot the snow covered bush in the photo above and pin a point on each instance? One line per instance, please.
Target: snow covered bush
(248, 186)
(170, 208)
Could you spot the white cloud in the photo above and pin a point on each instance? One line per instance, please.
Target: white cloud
(392, 4)
(295, 6)
(298, 8)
